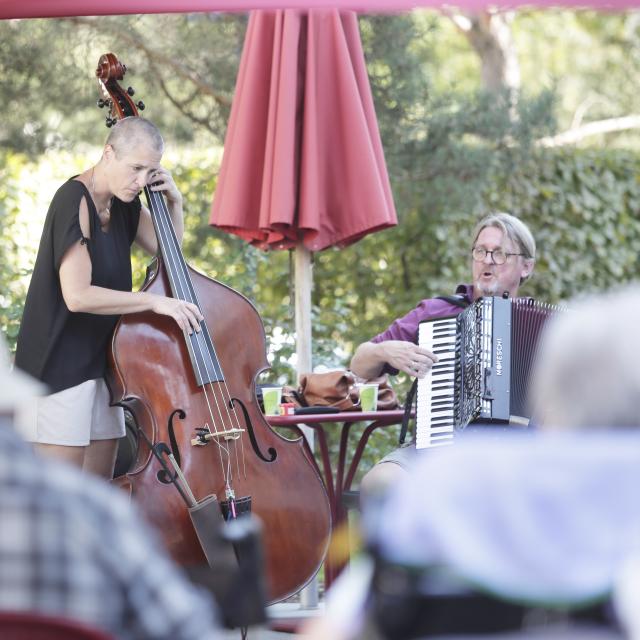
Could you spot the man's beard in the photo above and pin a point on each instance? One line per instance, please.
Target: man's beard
(488, 289)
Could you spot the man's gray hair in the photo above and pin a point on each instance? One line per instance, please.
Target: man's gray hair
(588, 369)
(513, 228)
(133, 131)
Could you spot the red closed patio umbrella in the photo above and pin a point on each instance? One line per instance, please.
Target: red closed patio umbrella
(303, 165)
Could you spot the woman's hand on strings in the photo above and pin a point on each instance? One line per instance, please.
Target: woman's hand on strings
(162, 180)
(186, 314)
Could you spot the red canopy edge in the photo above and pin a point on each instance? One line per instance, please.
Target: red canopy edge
(65, 8)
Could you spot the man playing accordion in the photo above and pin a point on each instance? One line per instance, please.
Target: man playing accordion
(502, 258)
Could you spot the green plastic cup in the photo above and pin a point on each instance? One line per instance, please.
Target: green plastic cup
(271, 398)
(368, 397)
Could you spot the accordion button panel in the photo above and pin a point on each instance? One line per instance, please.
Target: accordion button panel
(436, 391)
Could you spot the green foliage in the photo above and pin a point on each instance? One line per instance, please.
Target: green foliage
(590, 59)
(13, 274)
(584, 209)
(47, 69)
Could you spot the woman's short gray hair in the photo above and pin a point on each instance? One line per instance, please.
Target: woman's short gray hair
(133, 131)
(513, 228)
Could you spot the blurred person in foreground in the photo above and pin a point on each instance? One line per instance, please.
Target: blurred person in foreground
(71, 546)
(590, 379)
(502, 257)
(588, 372)
(541, 529)
(81, 284)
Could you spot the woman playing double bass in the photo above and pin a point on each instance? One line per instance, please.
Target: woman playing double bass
(81, 284)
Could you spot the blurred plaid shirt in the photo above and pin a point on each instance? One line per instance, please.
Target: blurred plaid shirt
(71, 545)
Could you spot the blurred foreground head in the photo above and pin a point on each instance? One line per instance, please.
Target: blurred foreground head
(588, 370)
(17, 389)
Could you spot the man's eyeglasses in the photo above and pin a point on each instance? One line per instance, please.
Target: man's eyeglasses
(498, 256)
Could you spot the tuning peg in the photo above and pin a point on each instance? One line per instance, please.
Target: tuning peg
(130, 91)
(102, 103)
(110, 121)
(140, 105)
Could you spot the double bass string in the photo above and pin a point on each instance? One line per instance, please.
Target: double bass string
(183, 289)
(171, 255)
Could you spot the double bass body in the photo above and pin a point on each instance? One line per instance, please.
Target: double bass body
(151, 374)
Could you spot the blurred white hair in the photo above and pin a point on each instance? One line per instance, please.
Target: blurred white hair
(588, 368)
(16, 388)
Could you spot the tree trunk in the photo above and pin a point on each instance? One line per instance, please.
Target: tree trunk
(491, 38)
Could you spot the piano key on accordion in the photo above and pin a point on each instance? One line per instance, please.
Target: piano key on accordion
(486, 354)
(435, 395)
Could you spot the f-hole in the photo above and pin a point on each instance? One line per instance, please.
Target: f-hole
(173, 444)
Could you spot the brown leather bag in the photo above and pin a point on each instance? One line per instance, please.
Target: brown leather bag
(339, 389)
(330, 389)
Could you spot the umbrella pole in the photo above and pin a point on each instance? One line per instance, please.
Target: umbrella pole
(303, 284)
(302, 287)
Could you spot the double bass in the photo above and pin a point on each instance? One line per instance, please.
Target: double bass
(196, 394)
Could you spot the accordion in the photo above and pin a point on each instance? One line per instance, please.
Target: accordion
(485, 356)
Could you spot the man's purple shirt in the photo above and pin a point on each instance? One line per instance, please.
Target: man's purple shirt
(406, 328)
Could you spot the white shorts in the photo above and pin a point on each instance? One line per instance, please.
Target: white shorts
(75, 416)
